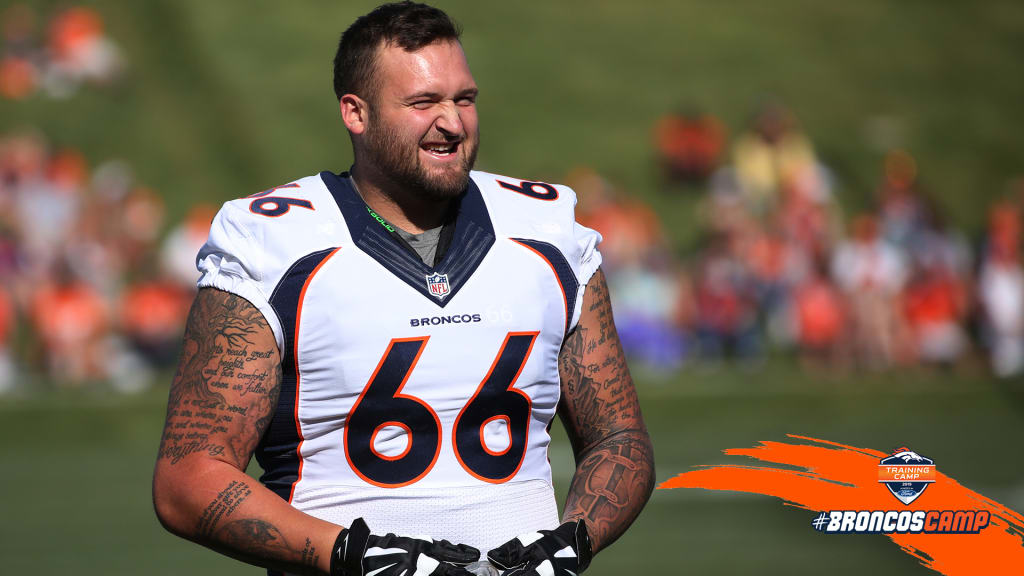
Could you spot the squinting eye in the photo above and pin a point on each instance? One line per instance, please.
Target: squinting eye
(422, 105)
(465, 101)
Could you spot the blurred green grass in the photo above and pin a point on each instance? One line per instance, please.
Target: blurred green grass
(224, 99)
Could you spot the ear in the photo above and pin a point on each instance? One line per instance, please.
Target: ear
(354, 113)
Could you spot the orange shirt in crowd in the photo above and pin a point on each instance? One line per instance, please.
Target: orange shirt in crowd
(72, 28)
(154, 310)
(694, 143)
(68, 315)
(934, 300)
(819, 314)
(627, 229)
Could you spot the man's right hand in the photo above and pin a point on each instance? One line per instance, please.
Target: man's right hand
(356, 552)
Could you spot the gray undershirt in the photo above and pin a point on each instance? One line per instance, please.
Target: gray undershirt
(425, 243)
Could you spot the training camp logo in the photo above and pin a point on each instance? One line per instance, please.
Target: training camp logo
(905, 474)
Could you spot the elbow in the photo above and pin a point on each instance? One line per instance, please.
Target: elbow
(168, 502)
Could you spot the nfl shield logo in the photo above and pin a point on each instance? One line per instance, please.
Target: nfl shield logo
(906, 474)
(437, 284)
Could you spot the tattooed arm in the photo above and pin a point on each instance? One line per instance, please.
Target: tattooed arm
(221, 401)
(614, 458)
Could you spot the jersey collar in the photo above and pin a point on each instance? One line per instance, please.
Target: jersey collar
(470, 243)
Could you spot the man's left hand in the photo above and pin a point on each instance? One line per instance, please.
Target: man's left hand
(564, 551)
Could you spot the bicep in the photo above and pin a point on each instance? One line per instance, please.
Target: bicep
(227, 383)
(598, 398)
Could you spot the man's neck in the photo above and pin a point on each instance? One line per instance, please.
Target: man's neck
(412, 212)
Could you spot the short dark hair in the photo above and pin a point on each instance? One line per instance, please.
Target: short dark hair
(407, 24)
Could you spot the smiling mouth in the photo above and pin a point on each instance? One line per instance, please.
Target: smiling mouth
(440, 149)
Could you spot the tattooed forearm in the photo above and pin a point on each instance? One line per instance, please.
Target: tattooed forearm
(615, 461)
(611, 486)
(256, 538)
(309, 555)
(598, 389)
(221, 402)
(228, 375)
(222, 507)
(252, 538)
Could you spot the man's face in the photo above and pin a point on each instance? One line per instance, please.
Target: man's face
(422, 126)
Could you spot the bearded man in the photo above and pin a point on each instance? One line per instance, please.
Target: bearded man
(392, 344)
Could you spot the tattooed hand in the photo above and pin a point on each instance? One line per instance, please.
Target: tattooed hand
(599, 407)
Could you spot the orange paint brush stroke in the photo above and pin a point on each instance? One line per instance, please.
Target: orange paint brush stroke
(820, 475)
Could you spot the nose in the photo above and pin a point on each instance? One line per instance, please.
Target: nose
(449, 121)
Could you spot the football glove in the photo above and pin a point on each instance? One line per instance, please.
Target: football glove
(356, 552)
(564, 551)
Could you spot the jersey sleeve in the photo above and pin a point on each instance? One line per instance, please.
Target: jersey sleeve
(232, 260)
(587, 259)
(587, 240)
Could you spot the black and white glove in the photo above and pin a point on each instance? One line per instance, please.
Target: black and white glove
(564, 551)
(356, 552)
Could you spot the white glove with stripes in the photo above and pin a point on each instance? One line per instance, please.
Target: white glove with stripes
(564, 551)
(356, 552)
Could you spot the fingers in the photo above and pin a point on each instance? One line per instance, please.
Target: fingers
(460, 554)
(533, 569)
(509, 555)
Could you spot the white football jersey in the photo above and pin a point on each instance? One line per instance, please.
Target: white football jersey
(416, 397)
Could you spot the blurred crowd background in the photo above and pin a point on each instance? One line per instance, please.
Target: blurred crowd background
(96, 279)
(781, 268)
(811, 216)
(95, 283)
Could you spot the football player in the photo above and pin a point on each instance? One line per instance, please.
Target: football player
(392, 344)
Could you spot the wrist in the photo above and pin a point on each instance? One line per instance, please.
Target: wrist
(337, 553)
(348, 549)
(584, 547)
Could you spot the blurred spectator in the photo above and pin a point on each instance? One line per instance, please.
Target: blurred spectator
(76, 51)
(772, 154)
(649, 315)
(820, 318)
(777, 266)
(935, 304)
(871, 274)
(1001, 292)
(18, 59)
(725, 210)
(808, 217)
(178, 255)
(726, 315)
(902, 212)
(72, 322)
(143, 219)
(74, 251)
(152, 314)
(629, 228)
(689, 145)
(80, 52)
(47, 196)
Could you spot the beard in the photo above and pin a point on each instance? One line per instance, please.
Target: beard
(392, 157)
